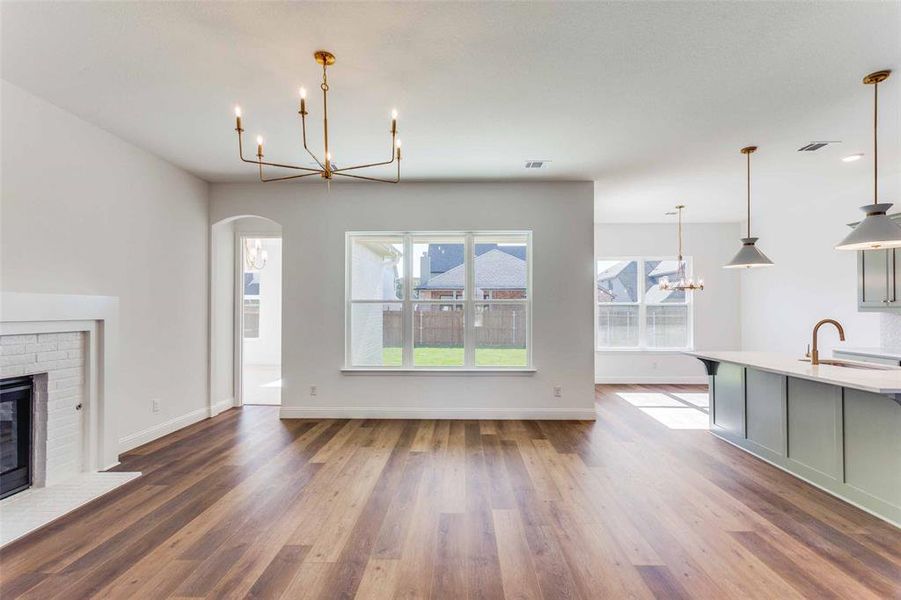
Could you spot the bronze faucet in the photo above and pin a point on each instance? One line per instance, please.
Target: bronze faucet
(814, 353)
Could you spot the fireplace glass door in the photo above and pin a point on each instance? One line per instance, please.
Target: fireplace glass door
(15, 435)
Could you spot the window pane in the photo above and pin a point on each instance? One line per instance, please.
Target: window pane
(438, 271)
(438, 335)
(377, 267)
(251, 318)
(617, 281)
(500, 267)
(654, 271)
(501, 333)
(617, 326)
(667, 326)
(251, 283)
(376, 332)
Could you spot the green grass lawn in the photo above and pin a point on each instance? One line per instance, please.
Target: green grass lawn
(453, 357)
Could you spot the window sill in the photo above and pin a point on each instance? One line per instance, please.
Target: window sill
(446, 371)
(642, 350)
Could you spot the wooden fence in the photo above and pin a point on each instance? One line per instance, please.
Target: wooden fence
(501, 328)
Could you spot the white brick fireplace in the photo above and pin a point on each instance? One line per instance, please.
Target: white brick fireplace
(56, 361)
(67, 344)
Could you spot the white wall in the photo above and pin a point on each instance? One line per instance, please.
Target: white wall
(716, 308)
(84, 212)
(222, 315)
(799, 226)
(314, 222)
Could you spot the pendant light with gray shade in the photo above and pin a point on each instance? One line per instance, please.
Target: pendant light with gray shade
(877, 230)
(749, 255)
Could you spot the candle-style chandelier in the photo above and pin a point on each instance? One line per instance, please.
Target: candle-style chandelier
(327, 169)
(255, 257)
(684, 283)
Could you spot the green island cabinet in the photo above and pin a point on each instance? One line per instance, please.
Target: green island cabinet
(843, 440)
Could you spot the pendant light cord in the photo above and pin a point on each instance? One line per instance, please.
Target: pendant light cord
(680, 234)
(875, 143)
(749, 193)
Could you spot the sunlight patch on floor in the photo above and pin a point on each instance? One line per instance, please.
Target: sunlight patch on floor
(678, 418)
(649, 399)
(701, 399)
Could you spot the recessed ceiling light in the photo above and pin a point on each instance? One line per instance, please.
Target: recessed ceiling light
(852, 157)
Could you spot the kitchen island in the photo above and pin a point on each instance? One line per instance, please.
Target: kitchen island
(837, 427)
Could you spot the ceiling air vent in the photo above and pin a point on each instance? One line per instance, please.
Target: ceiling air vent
(814, 146)
(536, 164)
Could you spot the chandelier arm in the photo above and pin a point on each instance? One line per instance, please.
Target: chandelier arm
(303, 119)
(269, 164)
(375, 164)
(395, 180)
(265, 180)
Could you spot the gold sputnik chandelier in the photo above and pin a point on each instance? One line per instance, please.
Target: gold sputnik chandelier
(327, 169)
(684, 283)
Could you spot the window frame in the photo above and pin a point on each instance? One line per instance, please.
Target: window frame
(642, 306)
(408, 302)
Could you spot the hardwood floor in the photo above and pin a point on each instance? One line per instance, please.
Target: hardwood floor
(245, 505)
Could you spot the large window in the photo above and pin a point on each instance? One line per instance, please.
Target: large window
(633, 312)
(438, 301)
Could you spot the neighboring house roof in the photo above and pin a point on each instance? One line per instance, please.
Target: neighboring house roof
(665, 267)
(612, 271)
(444, 257)
(605, 295)
(494, 270)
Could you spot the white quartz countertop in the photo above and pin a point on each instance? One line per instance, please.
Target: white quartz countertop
(890, 353)
(880, 381)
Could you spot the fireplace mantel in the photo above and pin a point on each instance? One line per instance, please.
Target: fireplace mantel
(98, 317)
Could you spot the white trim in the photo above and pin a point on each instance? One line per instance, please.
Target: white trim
(642, 379)
(372, 412)
(222, 406)
(442, 370)
(165, 428)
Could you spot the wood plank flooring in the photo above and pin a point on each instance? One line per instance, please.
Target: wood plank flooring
(247, 506)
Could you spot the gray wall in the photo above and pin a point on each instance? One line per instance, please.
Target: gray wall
(314, 221)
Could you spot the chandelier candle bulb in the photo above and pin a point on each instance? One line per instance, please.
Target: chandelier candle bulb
(303, 101)
(238, 119)
(260, 146)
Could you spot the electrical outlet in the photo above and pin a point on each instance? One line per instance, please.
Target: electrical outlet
(314, 390)
(654, 365)
(558, 391)
(155, 403)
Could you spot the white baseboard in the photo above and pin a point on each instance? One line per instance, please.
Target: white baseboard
(686, 379)
(370, 412)
(221, 406)
(157, 431)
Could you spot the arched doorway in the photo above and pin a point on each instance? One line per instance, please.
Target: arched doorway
(245, 312)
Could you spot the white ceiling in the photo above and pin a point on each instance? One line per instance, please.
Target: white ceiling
(650, 100)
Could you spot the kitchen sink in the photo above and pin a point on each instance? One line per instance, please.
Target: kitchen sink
(854, 365)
